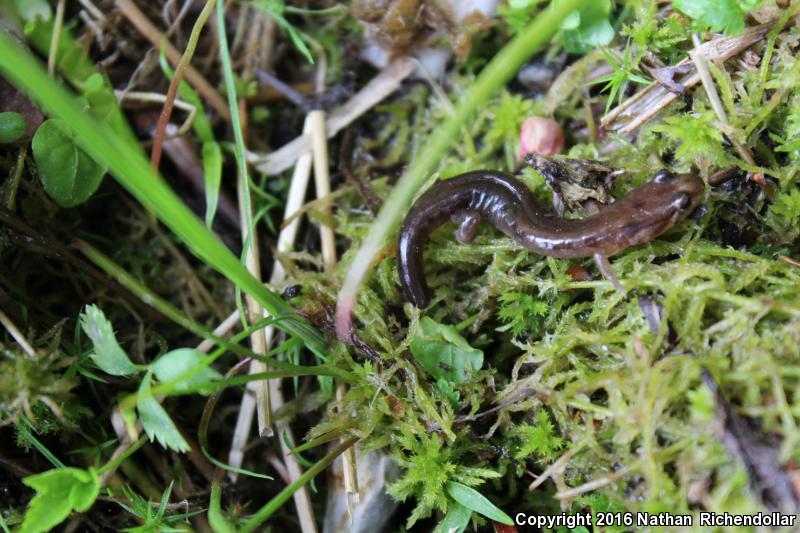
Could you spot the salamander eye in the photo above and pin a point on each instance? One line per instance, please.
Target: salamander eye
(682, 200)
(663, 176)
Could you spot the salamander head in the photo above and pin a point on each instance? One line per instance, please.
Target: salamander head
(661, 204)
(687, 193)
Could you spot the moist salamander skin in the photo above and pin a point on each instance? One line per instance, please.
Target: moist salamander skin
(506, 203)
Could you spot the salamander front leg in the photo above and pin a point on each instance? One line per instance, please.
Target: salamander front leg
(608, 272)
(468, 222)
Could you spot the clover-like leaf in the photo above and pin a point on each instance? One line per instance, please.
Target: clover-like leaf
(717, 15)
(58, 493)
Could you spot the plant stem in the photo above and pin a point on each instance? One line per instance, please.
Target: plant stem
(186, 58)
(164, 307)
(114, 463)
(274, 504)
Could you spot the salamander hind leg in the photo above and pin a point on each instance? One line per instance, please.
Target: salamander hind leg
(468, 222)
(608, 272)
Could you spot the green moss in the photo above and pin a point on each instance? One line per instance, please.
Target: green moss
(569, 365)
(574, 365)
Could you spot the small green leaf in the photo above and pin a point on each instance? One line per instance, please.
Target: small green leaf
(102, 102)
(599, 33)
(588, 28)
(156, 422)
(446, 388)
(522, 4)
(68, 174)
(30, 10)
(474, 500)
(717, 15)
(444, 353)
(58, 492)
(12, 127)
(456, 520)
(276, 9)
(216, 519)
(172, 365)
(212, 170)
(572, 21)
(107, 353)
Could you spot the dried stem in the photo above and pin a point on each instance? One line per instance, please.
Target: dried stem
(172, 92)
(557, 466)
(322, 181)
(645, 104)
(14, 331)
(288, 234)
(593, 485)
(157, 39)
(58, 24)
(381, 86)
(701, 64)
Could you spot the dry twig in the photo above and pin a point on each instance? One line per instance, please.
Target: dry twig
(157, 39)
(642, 106)
(371, 94)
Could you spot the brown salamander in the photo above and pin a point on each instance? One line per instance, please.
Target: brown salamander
(506, 203)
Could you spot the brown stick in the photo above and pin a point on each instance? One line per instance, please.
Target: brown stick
(156, 38)
(172, 93)
(642, 106)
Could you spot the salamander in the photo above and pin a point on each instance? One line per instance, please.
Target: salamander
(507, 204)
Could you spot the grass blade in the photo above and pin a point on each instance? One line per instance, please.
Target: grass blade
(131, 169)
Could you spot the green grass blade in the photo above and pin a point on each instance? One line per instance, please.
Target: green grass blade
(130, 168)
(263, 514)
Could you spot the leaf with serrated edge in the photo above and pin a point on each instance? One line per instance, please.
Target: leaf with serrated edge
(107, 353)
(156, 421)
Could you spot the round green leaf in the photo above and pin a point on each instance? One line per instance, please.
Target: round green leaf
(12, 127)
(68, 174)
(172, 365)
